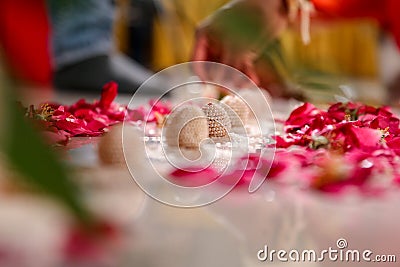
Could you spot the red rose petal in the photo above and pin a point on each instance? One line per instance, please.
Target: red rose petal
(108, 94)
(193, 177)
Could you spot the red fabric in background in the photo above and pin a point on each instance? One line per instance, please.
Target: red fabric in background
(386, 12)
(24, 37)
(392, 11)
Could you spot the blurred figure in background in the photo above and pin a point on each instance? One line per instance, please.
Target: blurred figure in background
(174, 28)
(83, 50)
(239, 40)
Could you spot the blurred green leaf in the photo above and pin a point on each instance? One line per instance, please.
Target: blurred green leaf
(37, 164)
(27, 153)
(313, 84)
(240, 25)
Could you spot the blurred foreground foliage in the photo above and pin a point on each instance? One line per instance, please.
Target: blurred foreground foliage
(26, 152)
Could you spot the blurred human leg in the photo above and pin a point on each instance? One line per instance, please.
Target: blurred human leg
(83, 51)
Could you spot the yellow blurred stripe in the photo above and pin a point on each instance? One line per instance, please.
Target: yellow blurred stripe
(341, 48)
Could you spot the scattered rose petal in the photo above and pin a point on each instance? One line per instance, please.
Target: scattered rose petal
(108, 94)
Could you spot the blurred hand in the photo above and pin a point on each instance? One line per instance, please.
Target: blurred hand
(236, 35)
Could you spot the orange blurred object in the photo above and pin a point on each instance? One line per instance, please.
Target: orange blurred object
(386, 12)
(352, 8)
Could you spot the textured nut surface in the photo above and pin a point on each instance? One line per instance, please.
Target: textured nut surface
(186, 126)
(219, 124)
(237, 110)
